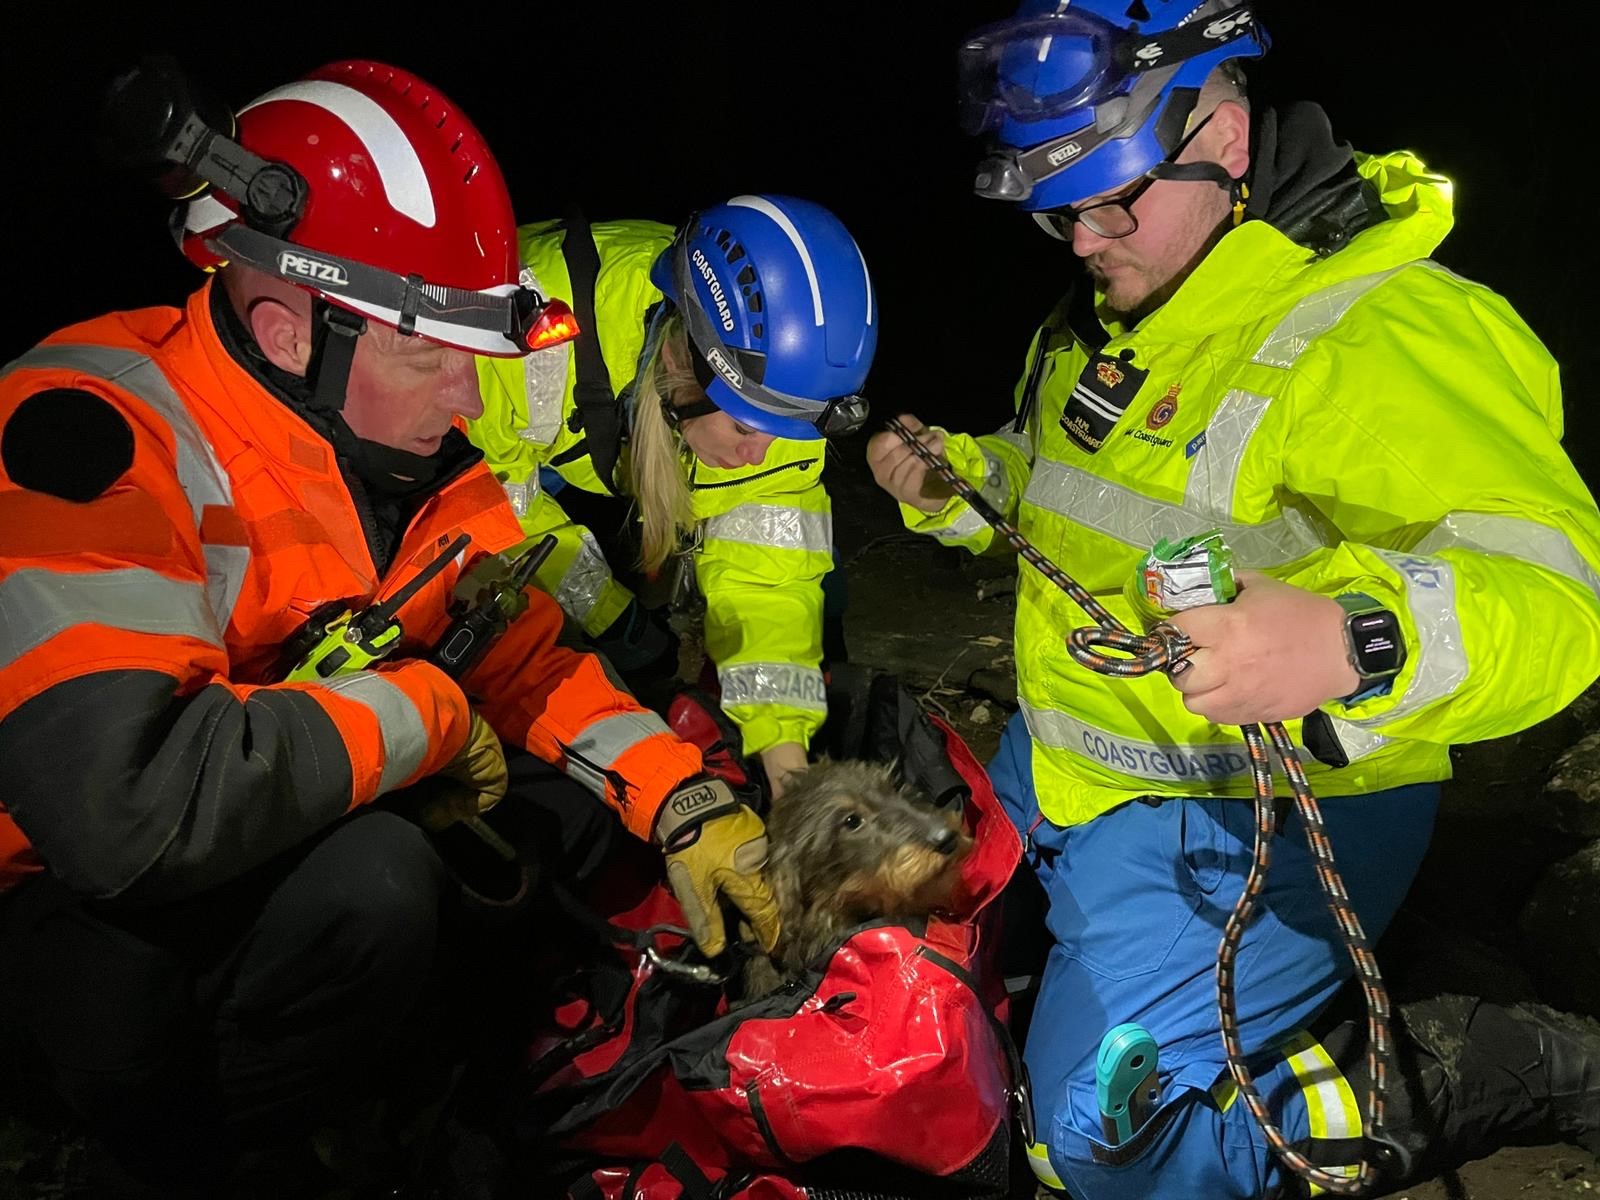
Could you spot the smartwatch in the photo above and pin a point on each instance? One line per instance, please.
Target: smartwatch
(1373, 644)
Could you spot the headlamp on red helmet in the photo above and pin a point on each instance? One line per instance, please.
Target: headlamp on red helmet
(360, 183)
(512, 314)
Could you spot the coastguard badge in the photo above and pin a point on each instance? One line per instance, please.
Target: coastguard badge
(1165, 408)
(1102, 394)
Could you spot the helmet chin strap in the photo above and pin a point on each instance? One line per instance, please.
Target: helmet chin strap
(334, 332)
(1208, 172)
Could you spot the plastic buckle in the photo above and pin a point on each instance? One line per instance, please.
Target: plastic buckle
(1022, 1097)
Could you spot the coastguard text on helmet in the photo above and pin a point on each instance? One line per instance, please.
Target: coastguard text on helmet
(706, 273)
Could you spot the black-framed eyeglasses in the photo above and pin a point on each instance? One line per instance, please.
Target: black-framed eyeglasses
(1113, 217)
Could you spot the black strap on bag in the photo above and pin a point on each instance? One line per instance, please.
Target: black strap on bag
(596, 410)
(696, 1185)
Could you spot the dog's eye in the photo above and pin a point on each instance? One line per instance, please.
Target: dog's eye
(852, 821)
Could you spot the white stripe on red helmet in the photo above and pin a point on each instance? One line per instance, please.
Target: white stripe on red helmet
(405, 184)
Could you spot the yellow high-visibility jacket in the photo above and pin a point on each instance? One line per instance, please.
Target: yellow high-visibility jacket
(766, 538)
(528, 408)
(1363, 422)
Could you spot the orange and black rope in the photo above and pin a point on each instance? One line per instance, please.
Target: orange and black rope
(1161, 650)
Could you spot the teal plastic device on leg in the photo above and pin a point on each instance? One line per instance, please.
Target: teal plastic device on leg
(1125, 1081)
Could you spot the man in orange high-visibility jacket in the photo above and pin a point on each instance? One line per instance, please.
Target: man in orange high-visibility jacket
(205, 923)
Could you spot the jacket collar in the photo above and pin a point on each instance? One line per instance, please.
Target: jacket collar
(1256, 270)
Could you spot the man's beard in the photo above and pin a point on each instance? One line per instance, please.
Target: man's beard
(1143, 306)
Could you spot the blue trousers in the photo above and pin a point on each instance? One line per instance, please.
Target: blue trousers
(1137, 902)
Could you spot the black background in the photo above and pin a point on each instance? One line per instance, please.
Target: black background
(651, 110)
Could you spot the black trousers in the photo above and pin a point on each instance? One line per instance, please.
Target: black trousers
(250, 1013)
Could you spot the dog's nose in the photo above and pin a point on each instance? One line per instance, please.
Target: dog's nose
(945, 841)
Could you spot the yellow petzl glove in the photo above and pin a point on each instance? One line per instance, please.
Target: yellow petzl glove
(716, 846)
(471, 783)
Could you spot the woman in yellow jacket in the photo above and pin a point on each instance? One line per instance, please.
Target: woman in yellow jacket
(712, 365)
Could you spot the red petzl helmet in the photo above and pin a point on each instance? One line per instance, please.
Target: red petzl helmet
(402, 214)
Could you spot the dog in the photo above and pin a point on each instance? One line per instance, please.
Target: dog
(849, 843)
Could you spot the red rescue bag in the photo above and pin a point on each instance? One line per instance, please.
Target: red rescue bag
(885, 1071)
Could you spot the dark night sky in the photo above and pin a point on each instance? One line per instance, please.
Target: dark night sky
(650, 110)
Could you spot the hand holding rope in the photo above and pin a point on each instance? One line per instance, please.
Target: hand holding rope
(1166, 648)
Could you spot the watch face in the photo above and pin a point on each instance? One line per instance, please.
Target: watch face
(1375, 638)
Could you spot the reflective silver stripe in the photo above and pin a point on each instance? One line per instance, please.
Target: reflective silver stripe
(1440, 658)
(997, 489)
(1315, 315)
(1134, 756)
(1514, 537)
(1331, 1110)
(584, 580)
(594, 780)
(773, 683)
(1165, 761)
(545, 383)
(1356, 742)
(405, 741)
(37, 604)
(1214, 475)
(609, 738)
(1139, 521)
(522, 495)
(226, 569)
(781, 527)
(967, 523)
(201, 476)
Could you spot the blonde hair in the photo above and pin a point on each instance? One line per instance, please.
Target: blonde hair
(655, 463)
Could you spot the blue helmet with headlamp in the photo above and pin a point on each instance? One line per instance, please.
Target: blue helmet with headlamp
(1083, 97)
(780, 313)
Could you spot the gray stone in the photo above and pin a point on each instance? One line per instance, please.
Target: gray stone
(1504, 779)
(998, 682)
(1560, 927)
(1587, 708)
(1570, 802)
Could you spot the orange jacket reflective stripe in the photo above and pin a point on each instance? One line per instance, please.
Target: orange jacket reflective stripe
(173, 594)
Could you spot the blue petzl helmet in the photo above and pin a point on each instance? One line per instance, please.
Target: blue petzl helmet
(778, 304)
(1084, 97)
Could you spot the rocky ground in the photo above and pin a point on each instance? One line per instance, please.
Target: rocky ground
(1507, 904)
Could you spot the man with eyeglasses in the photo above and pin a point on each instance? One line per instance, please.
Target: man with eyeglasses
(1265, 350)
